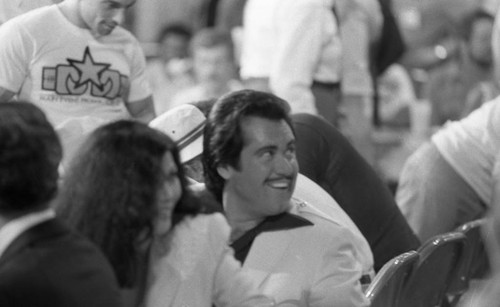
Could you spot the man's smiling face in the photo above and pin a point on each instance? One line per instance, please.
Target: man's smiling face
(264, 180)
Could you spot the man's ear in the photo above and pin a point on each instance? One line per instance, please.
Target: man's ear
(225, 171)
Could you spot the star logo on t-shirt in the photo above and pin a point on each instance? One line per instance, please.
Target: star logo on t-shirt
(84, 76)
(89, 70)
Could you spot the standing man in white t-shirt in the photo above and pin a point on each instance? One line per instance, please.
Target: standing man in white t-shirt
(73, 60)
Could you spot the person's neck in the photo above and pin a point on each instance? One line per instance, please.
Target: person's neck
(70, 10)
(239, 220)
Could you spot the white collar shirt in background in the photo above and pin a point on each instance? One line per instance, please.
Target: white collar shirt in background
(292, 43)
(360, 27)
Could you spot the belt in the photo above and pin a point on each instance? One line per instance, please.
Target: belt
(326, 85)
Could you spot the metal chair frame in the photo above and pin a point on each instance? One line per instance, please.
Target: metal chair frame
(385, 289)
(440, 257)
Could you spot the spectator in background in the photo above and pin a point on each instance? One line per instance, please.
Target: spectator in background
(449, 84)
(213, 65)
(448, 181)
(171, 70)
(293, 49)
(396, 95)
(185, 124)
(42, 262)
(431, 29)
(126, 191)
(87, 66)
(480, 46)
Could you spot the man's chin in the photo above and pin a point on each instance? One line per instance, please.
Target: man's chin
(104, 30)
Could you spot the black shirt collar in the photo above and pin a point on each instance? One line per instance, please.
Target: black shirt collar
(278, 222)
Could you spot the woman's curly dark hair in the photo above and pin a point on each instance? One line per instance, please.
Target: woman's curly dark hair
(109, 192)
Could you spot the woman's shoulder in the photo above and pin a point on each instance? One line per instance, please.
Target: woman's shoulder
(213, 223)
(202, 232)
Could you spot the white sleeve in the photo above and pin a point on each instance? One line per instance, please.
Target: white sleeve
(139, 85)
(15, 55)
(232, 286)
(355, 37)
(296, 56)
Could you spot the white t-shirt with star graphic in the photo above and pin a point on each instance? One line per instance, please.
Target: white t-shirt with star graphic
(47, 60)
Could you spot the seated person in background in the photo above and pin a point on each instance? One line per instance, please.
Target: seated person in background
(396, 94)
(490, 88)
(184, 125)
(483, 92)
(171, 70)
(448, 181)
(327, 157)
(214, 67)
(297, 254)
(126, 191)
(41, 259)
(449, 85)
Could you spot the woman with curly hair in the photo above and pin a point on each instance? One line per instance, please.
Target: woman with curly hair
(126, 191)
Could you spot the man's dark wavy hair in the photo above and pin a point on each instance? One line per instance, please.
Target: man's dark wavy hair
(30, 153)
(109, 192)
(223, 138)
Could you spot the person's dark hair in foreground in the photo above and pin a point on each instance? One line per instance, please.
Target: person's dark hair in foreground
(30, 155)
(45, 264)
(111, 190)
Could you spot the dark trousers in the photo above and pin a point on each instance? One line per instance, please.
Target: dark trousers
(327, 98)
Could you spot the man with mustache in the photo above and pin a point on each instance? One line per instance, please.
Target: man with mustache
(296, 253)
(74, 60)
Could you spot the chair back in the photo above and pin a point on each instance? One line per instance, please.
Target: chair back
(474, 262)
(439, 258)
(385, 289)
